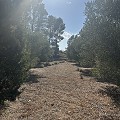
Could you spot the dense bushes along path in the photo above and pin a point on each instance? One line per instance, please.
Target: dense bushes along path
(58, 93)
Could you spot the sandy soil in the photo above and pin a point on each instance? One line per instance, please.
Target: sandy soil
(58, 93)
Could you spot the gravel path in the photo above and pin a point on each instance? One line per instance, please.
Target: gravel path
(58, 93)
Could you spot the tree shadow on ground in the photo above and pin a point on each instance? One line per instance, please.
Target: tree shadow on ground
(34, 78)
(106, 81)
(109, 117)
(113, 92)
(3, 107)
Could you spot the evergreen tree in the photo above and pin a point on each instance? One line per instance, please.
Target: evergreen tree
(55, 30)
(98, 42)
(35, 16)
(13, 66)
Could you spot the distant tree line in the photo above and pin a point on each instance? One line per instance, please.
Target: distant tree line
(28, 36)
(98, 43)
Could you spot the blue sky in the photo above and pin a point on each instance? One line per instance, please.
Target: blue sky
(72, 13)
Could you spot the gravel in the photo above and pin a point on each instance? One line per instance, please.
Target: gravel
(61, 94)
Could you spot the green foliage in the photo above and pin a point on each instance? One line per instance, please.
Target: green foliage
(55, 30)
(107, 33)
(79, 50)
(35, 16)
(86, 72)
(55, 63)
(22, 43)
(41, 66)
(13, 51)
(98, 43)
(40, 47)
(62, 55)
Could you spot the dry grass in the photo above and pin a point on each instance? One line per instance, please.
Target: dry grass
(62, 95)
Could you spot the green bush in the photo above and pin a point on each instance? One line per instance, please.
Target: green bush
(55, 63)
(98, 42)
(41, 66)
(14, 54)
(108, 72)
(13, 66)
(48, 64)
(86, 72)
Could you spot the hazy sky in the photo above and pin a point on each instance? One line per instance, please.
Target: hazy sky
(72, 13)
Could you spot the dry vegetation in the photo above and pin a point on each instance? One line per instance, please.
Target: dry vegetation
(58, 93)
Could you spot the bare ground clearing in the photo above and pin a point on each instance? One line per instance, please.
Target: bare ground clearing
(58, 93)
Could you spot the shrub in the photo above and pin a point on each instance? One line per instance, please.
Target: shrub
(41, 66)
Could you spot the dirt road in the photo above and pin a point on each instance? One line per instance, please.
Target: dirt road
(58, 93)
